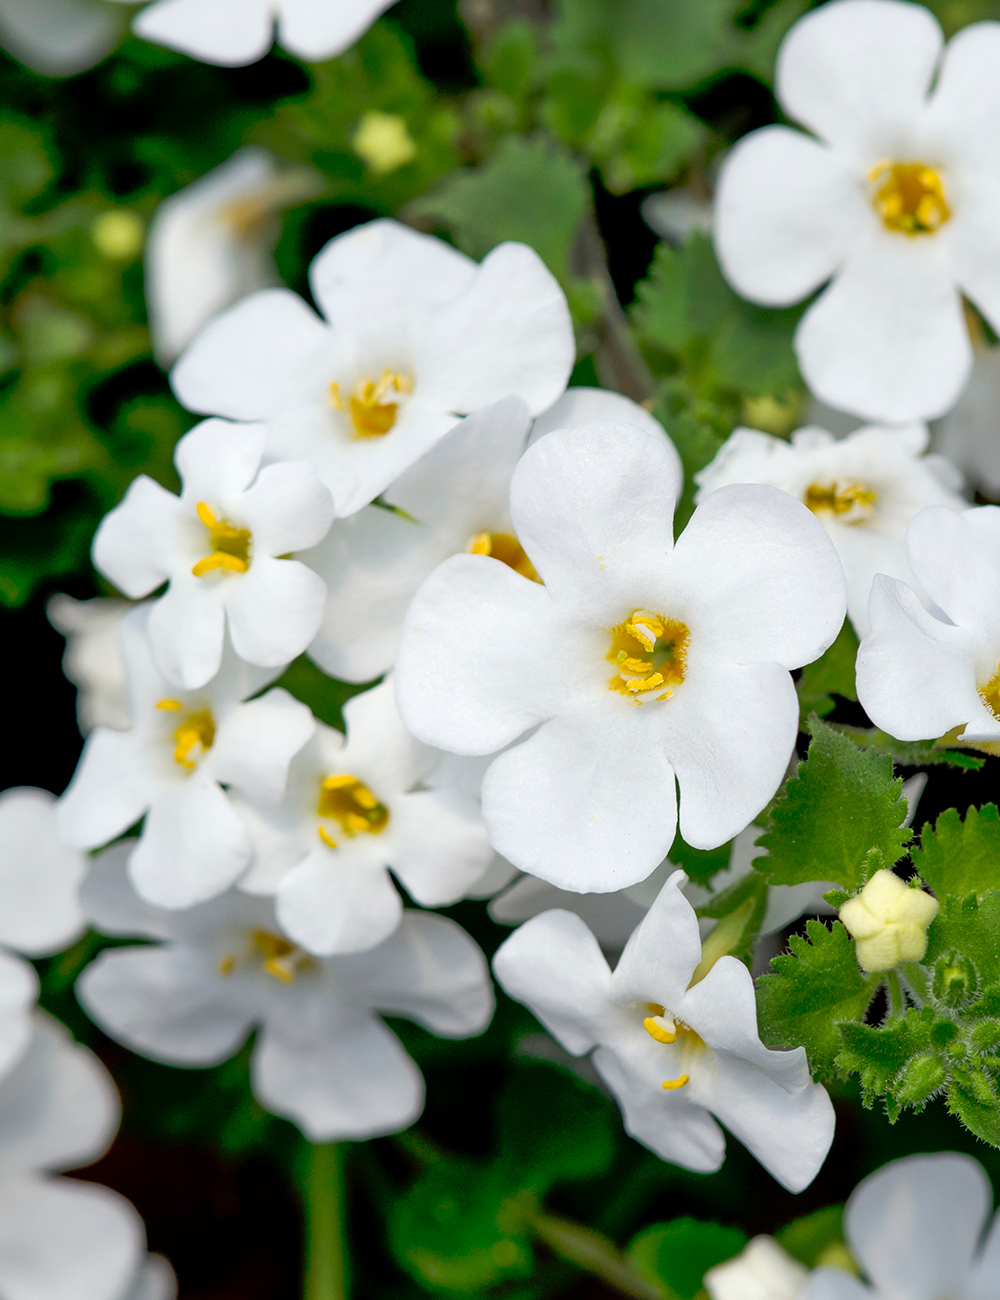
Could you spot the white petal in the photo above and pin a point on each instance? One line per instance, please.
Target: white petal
(610, 917)
(598, 405)
(379, 749)
(133, 546)
(111, 904)
(333, 904)
(217, 460)
(110, 790)
(440, 847)
(186, 629)
(257, 741)
(18, 994)
(833, 1284)
(40, 909)
(155, 1281)
(274, 610)
(956, 558)
(59, 37)
(93, 659)
(660, 957)
(287, 509)
(987, 1267)
(315, 31)
(963, 111)
(230, 33)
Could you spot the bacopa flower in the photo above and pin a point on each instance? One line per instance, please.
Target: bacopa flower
(93, 659)
(673, 1052)
(763, 1270)
(864, 489)
(643, 661)
(415, 334)
(923, 675)
(354, 808)
(184, 746)
(920, 1229)
(59, 39)
(323, 1056)
(892, 200)
(222, 547)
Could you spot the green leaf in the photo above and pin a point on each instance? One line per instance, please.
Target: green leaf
(740, 910)
(961, 857)
(973, 1100)
(843, 803)
(831, 674)
(700, 864)
(814, 990)
(325, 695)
(910, 753)
(968, 929)
(808, 1238)
(679, 1254)
(45, 547)
(879, 1053)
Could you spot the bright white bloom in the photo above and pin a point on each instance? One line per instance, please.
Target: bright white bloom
(917, 1228)
(93, 658)
(322, 1057)
(673, 1054)
(969, 435)
(183, 747)
(356, 807)
(212, 243)
(643, 660)
(415, 334)
(864, 489)
(893, 199)
(60, 37)
(455, 499)
(232, 33)
(923, 675)
(61, 1239)
(762, 1270)
(221, 547)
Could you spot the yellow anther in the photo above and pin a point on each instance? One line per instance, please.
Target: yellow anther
(372, 413)
(169, 706)
(889, 920)
(325, 836)
(909, 198)
(671, 1084)
(644, 683)
(647, 651)
(227, 964)
(657, 1027)
(193, 739)
(990, 694)
(230, 545)
(352, 805)
(507, 549)
(281, 959)
(850, 503)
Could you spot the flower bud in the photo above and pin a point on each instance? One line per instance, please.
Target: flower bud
(889, 920)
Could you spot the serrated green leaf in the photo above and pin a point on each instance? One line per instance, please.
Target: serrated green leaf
(968, 928)
(910, 753)
(843, 803)
(974, 1102)
(879, 1053)
(814, 989)
(677, 1255)
(961, 857)
(831, 674)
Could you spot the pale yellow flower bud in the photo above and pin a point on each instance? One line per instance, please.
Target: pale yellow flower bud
(383, 142)
(889, 920)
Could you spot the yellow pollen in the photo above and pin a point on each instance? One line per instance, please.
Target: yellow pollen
(352, 805)
(670, 1084)
(656, 1027)
(648, 651)
(280, 959)
(909, 197)
(507, 549)
(227, 964)
(990, 694)
(371, 414)
(193, 738)
(230, 545)
(851, 503)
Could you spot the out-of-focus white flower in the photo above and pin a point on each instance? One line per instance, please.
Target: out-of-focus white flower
(223, 548)
(60, 1238)
(675, 214)
(60, 37)
(643, 660)
(171, 766)
(455, 499)
(864, 489)
(892, 200)
(917, 1227)
(155, 1281)
(93, 658)
(232, 33)
(212, 243)
(673, 1053)
(354, 808)
(762, 1270)
(323, 1056)
(922, 675)
(415, 334)
(969, 435)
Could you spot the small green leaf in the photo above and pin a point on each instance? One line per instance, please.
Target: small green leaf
(700, 864)
(807, 1239)
(831, 674)
(677, 1255)
(910, 753)
(961, 857)
(974, 1101)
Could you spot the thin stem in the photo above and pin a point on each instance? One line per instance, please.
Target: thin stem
(592, 1252)
(896, 1003)
(326, 1243)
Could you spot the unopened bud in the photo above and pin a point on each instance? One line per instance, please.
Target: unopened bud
(889, 920)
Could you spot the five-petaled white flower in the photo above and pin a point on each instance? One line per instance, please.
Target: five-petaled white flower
(356, 807)
(222, 547)
(93, 658)
(643, 660)
(763, 1270)
(416, 334)
(924, 675)
(893, 200)
(673, 1052)
(323, 1056)
(864, 489)
(183, 747)
(916, 1227)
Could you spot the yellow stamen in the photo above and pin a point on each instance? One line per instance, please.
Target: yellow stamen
(990, 694)
(230, 545)
(352, 805)
(227, 964)
(281, 959)
(648, 652)
(851, 503)
(193, 739)
(170, 706)
(656, 1027)
(371, 413)
(324, 835)
(507, 549)
(909, 198)
(670, 1084)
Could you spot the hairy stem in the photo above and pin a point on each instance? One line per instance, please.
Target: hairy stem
(896, 1003)
(326, 1271)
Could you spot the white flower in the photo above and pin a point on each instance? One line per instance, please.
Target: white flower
(154, 1281)
(59, 37)
(456, 498)
(93, 659)
(675, 213)
(415, 334)
(354, 808)
(969, 435)
(642, 660)
(762, 1270)
(923, 675)
(322, 1057)
(864, 489)
(221, 547)
(673, 1054)
(916, 1227)
(183, 747)
(236, 32)
(212, 243)
(61, 1239)
(893, 200)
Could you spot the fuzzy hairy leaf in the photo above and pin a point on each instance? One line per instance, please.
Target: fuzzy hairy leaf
(677, 1255)
(968, 929)
(973, 1100)
(879, 1053)
(910, 753)
(961, 857)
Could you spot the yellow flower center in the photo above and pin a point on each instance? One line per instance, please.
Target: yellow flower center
(850, 503)
(667, 1029)
(278, 957)
(990, 694)
(230, 545)
(347, 801)
(649, 653)
(372, 411)
(909, 197)
(194, 737)
(507, 549)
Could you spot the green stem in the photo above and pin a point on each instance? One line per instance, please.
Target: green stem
(326, 1243)
(590, 1251)
(895, 996)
